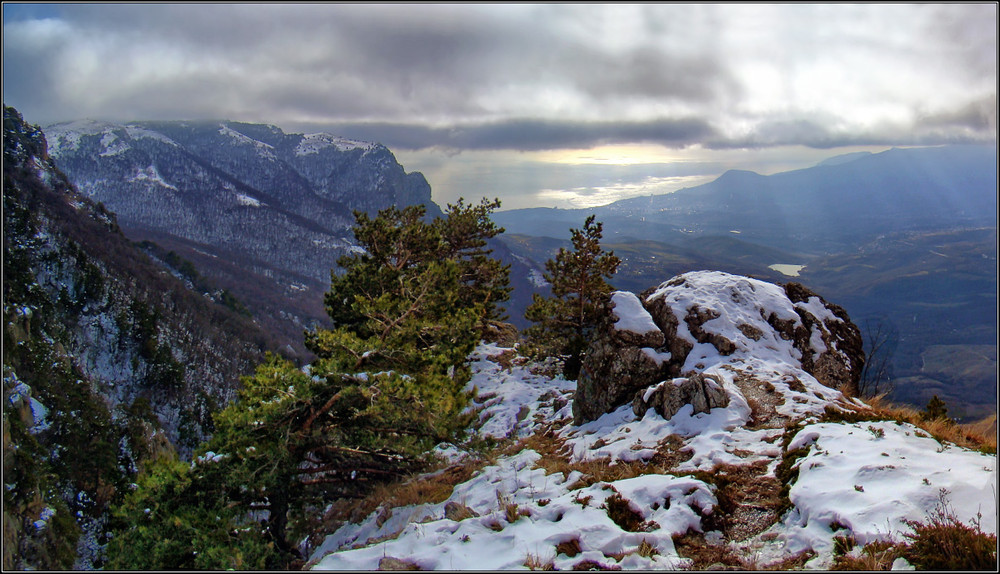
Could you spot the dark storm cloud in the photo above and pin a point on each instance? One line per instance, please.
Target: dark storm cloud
(526, 134)
(976, 116)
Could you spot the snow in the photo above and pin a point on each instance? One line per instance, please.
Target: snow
(136, 132)
(44, 517)
(112, 145)
(816, 308)
(247, 200)
(899, 471)
(537, 278)
(152, 175)
(66, 136)
(245, 140)
(631, 316)
(552, 514)
(39, 416)
(881, 474)
(313, 143)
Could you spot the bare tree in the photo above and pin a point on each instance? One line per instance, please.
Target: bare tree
(880, 339)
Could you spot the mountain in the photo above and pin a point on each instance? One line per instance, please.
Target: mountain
(109, 359)
(262, 213)
(818, 210)
(783, 473)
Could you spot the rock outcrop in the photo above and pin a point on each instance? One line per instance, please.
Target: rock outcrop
(652, 350)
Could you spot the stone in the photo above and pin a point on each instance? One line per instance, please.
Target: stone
(458, 512)
(841, 363)
(617, 364)
(391, 563)
(701, 391)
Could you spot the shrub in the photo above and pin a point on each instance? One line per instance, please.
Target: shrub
(944, 543)
(621, 512)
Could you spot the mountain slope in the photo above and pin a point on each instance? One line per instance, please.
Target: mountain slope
(108, 359)
(260, 212)
(905, 238)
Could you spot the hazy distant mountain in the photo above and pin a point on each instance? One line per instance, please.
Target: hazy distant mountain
(827, 208)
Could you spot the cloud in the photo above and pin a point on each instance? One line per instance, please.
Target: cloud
(521, 76)
(526, 134)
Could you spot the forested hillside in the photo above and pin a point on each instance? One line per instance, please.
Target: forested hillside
(108, 360)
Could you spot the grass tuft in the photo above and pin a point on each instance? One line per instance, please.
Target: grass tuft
(569, 547)
(532, 562)
(620, 511)
(646, 549)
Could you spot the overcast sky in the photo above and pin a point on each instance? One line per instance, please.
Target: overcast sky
(559, 104)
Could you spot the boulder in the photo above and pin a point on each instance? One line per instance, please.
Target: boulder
(626, 355)
(703, 392)
(840, 358)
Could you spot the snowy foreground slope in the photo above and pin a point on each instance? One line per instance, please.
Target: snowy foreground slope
(617, 492)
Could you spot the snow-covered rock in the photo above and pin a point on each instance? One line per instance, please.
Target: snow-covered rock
(698, 321)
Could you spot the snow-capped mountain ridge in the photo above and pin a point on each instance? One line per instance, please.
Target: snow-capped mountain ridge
(276, 207)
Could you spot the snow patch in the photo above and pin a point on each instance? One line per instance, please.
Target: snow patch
(313, 143)
(631, 316)
(247, 200)
(873, 476)
(151, 175)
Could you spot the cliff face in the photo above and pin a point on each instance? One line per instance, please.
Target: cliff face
(107, 358)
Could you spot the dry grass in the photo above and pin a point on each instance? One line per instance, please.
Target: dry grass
(795, 562)
(511, 511)
(749, 499)
(569, 547)
(620, 511)
(415, 489)
(556, 459)
(944, 430)
(702, 554)
(586, 565)
(876, 556)
(532, 562)
(646, 549)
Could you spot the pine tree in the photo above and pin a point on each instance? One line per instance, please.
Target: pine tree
(935, 410)
(386, 386)
(465, 233)
(565, 321)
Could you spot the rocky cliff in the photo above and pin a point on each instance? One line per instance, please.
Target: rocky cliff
(727, 449)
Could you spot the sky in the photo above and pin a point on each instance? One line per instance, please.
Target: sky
(560, 105)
